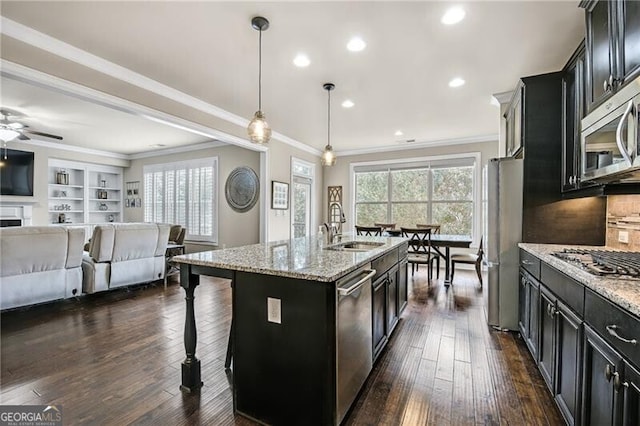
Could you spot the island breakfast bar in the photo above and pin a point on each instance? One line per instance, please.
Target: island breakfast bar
(308, 320)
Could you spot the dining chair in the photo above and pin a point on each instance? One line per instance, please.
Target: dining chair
(375, 231)
(436, 228)
(469, 259)
(386, 226)
(419, 252)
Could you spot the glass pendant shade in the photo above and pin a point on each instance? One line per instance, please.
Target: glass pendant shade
(259, 130)
(7, 134)
(328, 157)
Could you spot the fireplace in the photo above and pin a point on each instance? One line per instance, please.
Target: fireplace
(10, 222)
(15, 215)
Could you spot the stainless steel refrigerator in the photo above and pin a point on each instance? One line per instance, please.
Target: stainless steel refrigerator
(502, 231)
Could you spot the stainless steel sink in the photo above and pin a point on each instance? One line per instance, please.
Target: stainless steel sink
(355, 246)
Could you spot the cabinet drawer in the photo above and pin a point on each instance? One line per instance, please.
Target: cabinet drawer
(568, 290)
(385, 262)
(607, 319)
(530, 263)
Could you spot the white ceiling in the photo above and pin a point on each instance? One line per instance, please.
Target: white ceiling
(399, 82)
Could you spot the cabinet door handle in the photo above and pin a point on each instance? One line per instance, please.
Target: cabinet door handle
(526, 262)
(608, 372)
(616, 381)
(611, 329)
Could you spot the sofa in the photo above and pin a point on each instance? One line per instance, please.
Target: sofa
(123, 254)
(39, 264)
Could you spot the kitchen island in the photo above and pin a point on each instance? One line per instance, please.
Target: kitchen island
(306, 317)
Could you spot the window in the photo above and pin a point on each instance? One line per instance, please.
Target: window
(302, 174)
(184, 193)
(407, 193)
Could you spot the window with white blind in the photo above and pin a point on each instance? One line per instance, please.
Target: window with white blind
(439, 190)
(184, 193)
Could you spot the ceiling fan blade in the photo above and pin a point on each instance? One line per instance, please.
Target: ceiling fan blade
(47, 135)
(24, 137)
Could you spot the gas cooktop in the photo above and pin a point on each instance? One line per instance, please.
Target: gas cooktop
(612, 264)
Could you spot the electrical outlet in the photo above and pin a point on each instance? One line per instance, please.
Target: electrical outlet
(623, 237)
(274, 311)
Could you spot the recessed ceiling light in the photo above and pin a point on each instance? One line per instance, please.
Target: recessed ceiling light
(348, 103)
(399, 133)
(456, 82)
(301, 60)
(356, 44)
(453, 15)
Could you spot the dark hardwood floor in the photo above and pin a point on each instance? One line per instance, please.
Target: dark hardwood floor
(114, 358)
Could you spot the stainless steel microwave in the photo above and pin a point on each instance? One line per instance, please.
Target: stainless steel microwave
(609, 138)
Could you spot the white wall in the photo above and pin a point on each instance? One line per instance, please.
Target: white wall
(234, 228)
(280, 155)
(42, 154)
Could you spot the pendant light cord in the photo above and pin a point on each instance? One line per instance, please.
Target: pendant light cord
(260, 72)
(329, 118)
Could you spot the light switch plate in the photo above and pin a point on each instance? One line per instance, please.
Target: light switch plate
(274, 311)
(623, 237)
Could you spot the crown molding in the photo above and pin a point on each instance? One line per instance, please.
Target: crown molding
(72, 148)
(177, 150)
(501, 98)
(67, 51)
(405, 146)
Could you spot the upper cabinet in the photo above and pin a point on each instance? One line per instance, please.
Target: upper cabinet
(612, 47)
(572, 113)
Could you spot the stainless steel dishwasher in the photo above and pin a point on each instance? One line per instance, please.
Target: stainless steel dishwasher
(354, 336)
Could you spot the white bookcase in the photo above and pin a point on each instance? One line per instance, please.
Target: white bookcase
(90, 193)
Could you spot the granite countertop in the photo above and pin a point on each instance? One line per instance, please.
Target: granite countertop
(623, 292)
(303, 257)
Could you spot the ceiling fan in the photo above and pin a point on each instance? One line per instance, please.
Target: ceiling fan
(11, 129)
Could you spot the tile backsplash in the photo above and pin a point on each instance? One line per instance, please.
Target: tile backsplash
(623, 222)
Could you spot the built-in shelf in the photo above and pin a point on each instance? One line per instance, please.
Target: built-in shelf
(83, 186)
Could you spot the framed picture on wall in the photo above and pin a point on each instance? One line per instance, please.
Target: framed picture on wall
(279, 195)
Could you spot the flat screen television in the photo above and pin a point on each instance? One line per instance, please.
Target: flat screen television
(16, 172)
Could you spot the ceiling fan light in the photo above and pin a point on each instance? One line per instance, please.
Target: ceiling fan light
(259, 130)
(7, 134)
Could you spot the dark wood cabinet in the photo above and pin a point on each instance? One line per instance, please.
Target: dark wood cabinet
(403, 290)
(529, 318)
(612, 52)
(602, 369)
(572, 113)
(392, 299)
(568, 362)
(631, 397)
(379, 314)
(546, 348)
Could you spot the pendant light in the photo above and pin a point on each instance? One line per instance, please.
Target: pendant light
(259, 130)
(328, 157)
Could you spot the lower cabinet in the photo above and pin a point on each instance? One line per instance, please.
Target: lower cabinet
(532, 327)
(379, 314)
(631, 387)
(547, 346)
(392, 299)
(601, 399)
(403, 290)
(568, 363)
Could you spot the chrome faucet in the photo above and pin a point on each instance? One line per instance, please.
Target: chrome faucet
(335, 228)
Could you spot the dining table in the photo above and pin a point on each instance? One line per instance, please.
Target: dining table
(441, 244)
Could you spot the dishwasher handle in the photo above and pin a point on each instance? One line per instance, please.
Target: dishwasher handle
(347, 291)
